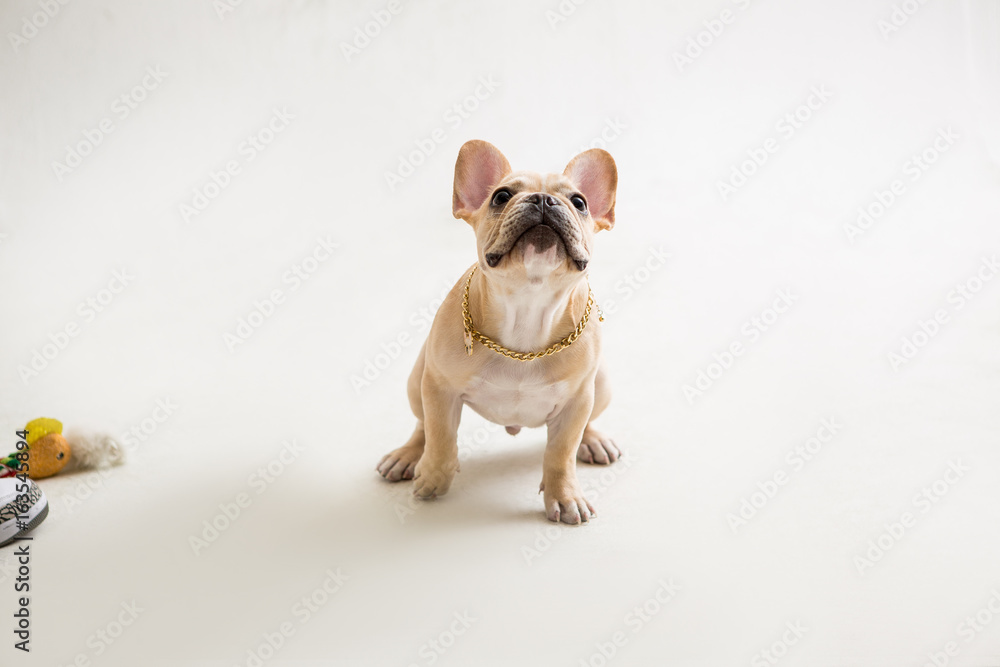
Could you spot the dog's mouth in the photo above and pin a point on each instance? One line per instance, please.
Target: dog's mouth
(542, 232)
(543, 236)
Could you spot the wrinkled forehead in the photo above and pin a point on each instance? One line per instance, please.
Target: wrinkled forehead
(529, 181)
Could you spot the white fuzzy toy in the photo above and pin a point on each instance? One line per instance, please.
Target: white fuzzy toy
(93, 450)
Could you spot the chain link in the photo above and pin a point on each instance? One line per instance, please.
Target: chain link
(471, 333)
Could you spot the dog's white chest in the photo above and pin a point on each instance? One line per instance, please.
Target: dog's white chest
(522, 398)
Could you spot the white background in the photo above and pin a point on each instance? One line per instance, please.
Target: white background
(540, 594)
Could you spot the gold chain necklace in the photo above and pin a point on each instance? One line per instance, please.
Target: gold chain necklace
(471, 334)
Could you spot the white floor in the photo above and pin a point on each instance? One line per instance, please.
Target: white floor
(664, 574)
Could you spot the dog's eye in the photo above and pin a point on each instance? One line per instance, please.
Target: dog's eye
(579, 202)
(501, 197)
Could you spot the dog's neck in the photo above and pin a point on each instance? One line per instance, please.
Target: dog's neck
(527, 318)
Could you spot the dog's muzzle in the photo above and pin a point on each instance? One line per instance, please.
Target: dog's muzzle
(539, 209)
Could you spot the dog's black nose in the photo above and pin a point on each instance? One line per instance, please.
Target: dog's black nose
(541, 199)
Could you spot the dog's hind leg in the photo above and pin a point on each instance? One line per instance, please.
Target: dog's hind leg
(399, 464)
(595, 447)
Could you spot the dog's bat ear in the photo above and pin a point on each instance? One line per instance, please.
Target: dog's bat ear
(595, 173)
(479, 168)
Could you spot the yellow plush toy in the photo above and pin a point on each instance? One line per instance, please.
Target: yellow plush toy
(47, 451)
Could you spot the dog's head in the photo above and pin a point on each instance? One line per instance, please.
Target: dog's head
(533, 228)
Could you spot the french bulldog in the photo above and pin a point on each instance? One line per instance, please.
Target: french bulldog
(518, 339)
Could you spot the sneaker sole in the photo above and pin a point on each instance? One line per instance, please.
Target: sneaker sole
(32, 524)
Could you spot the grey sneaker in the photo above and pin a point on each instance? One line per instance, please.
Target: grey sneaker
(21, 509)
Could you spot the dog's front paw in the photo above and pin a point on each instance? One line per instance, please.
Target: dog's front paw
(564, 501)
(432, 479)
